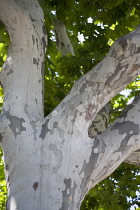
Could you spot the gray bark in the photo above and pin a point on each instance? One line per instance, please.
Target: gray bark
(64, 45)
(63, 42)
(51, 163)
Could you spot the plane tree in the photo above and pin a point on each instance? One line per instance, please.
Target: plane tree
(52, 161)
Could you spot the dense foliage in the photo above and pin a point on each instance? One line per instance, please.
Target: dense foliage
(92, 26)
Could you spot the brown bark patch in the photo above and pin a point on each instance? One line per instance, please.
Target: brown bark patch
(35, 186)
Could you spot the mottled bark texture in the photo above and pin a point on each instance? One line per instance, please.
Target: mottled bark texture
(51, 163)
(65, 47)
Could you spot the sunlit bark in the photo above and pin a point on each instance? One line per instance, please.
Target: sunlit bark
(50, 163)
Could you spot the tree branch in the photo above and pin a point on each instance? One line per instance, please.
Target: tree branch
(100, 156)
(115, 145)
(134, 158)
(64, 45)
(93, 90)
(62, 40)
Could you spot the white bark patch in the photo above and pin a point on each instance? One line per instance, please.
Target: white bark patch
(96, 150)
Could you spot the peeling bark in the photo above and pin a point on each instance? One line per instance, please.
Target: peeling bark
(50, 163)
(64, 45)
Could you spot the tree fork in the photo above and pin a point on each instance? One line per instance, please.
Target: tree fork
(50, 163)
(64, 45)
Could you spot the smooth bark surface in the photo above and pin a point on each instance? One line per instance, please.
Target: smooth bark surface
(51, 163)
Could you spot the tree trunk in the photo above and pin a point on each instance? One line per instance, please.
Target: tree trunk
(51, 163)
